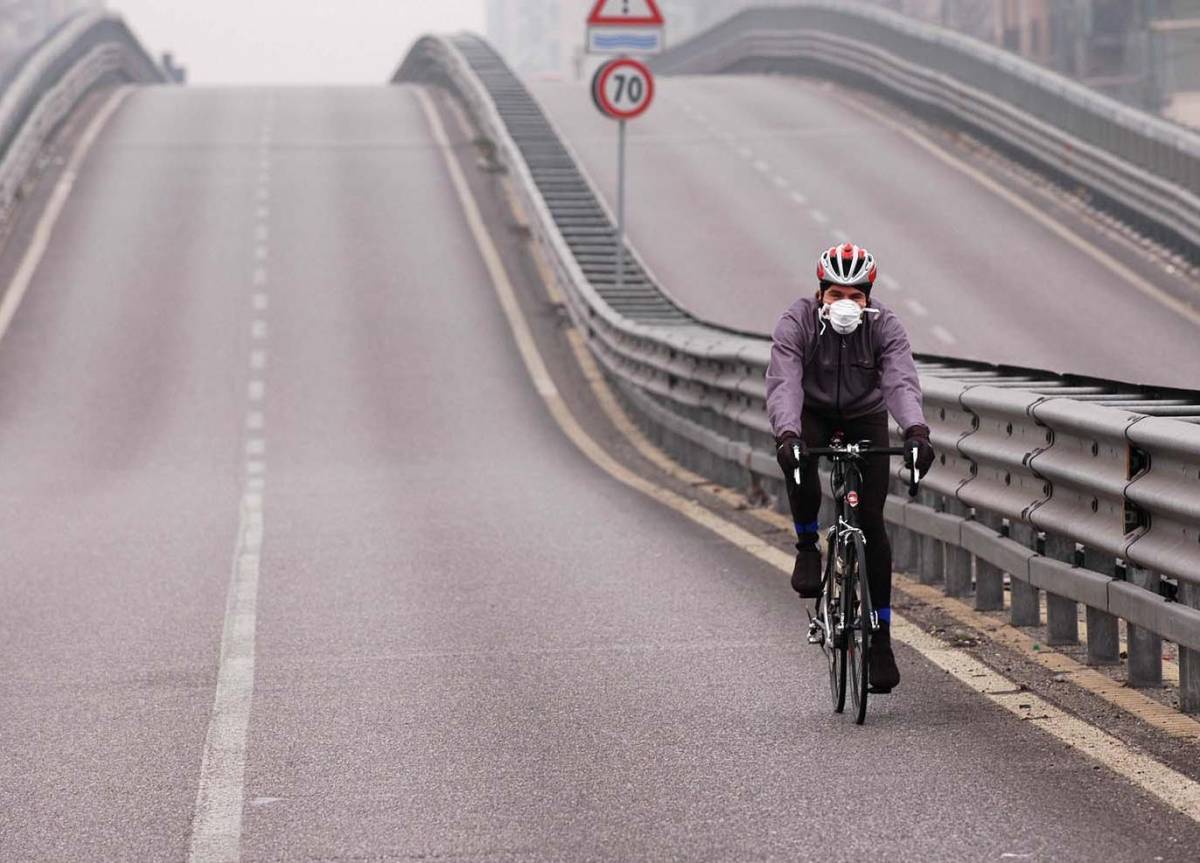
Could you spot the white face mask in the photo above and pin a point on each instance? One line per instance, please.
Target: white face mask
(845, 316)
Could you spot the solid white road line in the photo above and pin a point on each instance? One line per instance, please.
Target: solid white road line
(58, 200)
(1169, 786)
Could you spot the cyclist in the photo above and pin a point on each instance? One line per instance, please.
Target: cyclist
(840, 362)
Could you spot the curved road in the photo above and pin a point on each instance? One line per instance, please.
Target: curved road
(736, 184)
(469, 643)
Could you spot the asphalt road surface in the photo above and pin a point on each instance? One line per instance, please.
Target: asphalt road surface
(470, 643)
(737, 184)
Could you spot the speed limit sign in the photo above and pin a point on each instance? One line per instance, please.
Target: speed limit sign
(623, 89)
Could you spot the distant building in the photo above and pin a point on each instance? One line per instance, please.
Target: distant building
(24, 22)
(540, 38)
(1144, 52)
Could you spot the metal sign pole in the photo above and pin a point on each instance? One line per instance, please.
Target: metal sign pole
(621, 207)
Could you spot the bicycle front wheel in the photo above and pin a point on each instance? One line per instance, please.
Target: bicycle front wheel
(858, 627)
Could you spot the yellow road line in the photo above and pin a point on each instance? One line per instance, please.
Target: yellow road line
(1139, 705)
(1171, 787)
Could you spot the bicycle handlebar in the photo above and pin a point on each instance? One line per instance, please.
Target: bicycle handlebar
(862, 451)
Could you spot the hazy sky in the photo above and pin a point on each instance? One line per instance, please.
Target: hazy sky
(292, 41)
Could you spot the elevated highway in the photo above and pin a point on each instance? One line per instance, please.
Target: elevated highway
(299, 563)
(736, 183)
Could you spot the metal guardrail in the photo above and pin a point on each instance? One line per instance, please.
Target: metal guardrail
(88, 50)
(1068, 485)
(1143, 166)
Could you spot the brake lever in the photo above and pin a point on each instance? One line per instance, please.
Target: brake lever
(914, 478)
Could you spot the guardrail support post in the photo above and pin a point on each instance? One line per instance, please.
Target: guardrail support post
(1103, 638)
(1103, 630)
(933, 558)
(1189, 660)
(1062, 621)
(958, 560)
(905, 554)
(989, 579)
(1062, 615)
(1026, 599)
(1145, 648)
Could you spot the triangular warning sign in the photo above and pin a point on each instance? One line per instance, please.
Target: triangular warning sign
(643, 13)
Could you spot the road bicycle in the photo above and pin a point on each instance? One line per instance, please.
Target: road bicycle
(843, 619)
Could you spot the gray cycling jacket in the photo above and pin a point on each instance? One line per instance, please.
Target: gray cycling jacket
(852, 376)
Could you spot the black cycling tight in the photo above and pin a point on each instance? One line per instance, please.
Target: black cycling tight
(817, 429)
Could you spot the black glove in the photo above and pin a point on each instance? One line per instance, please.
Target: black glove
(918, 436)
(785, 454)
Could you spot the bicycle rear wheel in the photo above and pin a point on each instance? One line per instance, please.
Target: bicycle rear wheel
(835, 640)
(858, 628)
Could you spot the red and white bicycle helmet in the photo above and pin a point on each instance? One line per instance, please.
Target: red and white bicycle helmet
(848, 265)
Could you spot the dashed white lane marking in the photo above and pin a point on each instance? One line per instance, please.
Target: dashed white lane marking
(58, 200)
(217, 818)
(761, 166)
(798, 198)
(916, 308)
(780, 182)
(745, 152)
(841, 235)
(944, 335)
(263, 213)
(1169, 786)
(819, 217)
(890, 284)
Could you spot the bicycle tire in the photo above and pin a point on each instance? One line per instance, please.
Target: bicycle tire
(835, 646)
(858, 629)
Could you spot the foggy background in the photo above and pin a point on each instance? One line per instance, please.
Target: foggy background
(293, 41)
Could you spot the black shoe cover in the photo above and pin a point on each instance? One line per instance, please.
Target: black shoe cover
(882, 673)
(806, 577)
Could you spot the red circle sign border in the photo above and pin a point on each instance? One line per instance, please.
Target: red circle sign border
(601, 94)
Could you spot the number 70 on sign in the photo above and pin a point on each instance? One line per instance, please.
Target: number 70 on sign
(623, 89)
